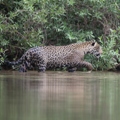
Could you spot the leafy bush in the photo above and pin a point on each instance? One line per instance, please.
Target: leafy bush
(2, 57)
(29, 23)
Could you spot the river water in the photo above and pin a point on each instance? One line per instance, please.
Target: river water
(57, 95)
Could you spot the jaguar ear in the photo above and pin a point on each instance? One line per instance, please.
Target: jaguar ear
(93, 43)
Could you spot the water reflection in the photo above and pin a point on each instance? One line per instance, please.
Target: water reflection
(59, 96)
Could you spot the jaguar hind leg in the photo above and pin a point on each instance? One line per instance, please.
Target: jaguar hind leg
(23, 68)
(41, 64)
(42, 68)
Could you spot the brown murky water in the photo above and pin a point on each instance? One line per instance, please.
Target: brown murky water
(56, 95)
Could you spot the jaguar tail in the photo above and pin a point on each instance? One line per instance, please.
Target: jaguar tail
(14, 62)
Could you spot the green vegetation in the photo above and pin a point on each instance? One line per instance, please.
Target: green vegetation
(29, 23)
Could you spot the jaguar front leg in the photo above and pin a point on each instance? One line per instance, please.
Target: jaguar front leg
(71, 69)
(86, 64)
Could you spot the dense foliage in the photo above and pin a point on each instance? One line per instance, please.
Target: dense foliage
(28, 23)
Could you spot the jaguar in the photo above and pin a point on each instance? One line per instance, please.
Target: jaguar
(70, 56)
